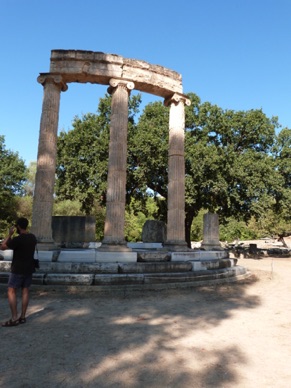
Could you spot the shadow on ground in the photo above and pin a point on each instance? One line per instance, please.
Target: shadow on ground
(140, 340)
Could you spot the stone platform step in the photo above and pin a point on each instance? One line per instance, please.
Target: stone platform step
(129, 279)
(155, 256)
(116, 281)
(156, 269)
(126, 268)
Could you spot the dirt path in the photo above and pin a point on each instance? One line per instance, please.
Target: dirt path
(236, 335)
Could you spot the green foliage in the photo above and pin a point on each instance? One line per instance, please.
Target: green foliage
(29, 184)
(133, 225)
(8, 216)
(82, 162)
(74, 208)
(270, 224)
(12, 172)
(148, 158)
(282, 166)
(137, 213)
(233, 230)
(235, 164)
(229, 166)
(148, 151)
(12, 178)
(83, 155)
(24, 207)
(197, 226)
(67, 208)
(99, 213)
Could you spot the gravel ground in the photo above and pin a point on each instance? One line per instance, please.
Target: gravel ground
(234, 335)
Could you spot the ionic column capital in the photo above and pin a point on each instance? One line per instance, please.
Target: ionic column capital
(176, 98)
(115, 82)
(56, 79)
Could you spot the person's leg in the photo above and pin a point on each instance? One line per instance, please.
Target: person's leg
(12, 300)
(25, 301)
(25, 297)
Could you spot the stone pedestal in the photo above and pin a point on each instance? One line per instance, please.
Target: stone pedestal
(154, 231)
(211, 232)
(73, 231)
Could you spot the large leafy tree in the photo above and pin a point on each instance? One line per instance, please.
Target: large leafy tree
(82, 161)
(229, 165)
(28, 187)
(281, 152)
(12, 178)
(148, 156)
(83, 156)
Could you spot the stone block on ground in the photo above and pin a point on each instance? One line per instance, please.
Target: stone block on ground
(154, 231)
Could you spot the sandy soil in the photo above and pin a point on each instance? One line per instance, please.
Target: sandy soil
(236, 335)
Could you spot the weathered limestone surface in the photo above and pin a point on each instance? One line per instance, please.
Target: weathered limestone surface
(211, 232)
(116, 182)
(46, 159)
(176, 174)
(98, 67)
(73, 231)
(154, 231)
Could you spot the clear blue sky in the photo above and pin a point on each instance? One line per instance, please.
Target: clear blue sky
(233, 53)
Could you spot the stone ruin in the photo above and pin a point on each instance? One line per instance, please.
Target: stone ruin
(121, 75)
(73, 231)
(154, 232)
(116, 264)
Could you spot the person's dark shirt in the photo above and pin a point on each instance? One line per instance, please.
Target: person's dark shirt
(23, 247)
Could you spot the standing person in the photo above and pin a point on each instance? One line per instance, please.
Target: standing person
(22, 268)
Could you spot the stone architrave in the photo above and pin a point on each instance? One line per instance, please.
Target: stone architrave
(116, 181)
(46, 160)
(176, 174)
(211, 232)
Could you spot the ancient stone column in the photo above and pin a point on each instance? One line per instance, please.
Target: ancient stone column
(176, 174)
(46, 160)
(116, 181)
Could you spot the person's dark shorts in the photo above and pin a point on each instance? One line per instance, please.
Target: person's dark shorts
(19, 281)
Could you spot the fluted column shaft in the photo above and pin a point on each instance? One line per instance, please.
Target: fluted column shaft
(116, 180)
(46, 159)
(176, 173)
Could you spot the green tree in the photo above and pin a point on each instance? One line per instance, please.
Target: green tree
(29, 184)
(137, 212)
(23, 206)
(67, 208)
(148, 157)
(228, 163)
(73, 208)
(235, 229)
(282, 160)
(83, 156)
(82, 161)
(12, 178)
(230, 169)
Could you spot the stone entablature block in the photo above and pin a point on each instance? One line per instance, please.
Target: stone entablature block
(98, 67)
